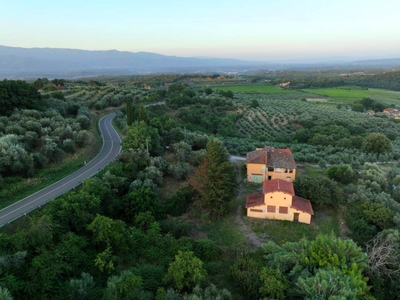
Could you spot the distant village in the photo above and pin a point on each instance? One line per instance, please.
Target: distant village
(392, 113)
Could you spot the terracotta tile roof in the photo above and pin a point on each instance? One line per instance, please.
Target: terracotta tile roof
(278, 158)
(287, 150)
(280, 185)
(254, 200)
(302, 205)
(257, 157)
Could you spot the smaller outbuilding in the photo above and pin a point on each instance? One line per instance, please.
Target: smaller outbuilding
(278, 201)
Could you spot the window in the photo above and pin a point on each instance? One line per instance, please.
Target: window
(270, 169)
(283, 210)
(277, 170)
(256, 210)
(271, 208)
(290, 170)
(256, 178)
(288, 179)
(286, 170)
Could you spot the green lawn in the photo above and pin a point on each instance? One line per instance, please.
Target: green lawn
(226, 233)
(349, 94)
(267, 89)
(311, 171)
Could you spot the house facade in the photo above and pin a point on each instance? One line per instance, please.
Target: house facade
(369, 112)
(269, 163)
(392, 113)
(279, 202)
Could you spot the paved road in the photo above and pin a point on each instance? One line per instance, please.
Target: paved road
(110, 150)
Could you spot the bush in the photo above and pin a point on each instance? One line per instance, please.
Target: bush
(342, 173)
(180, 171)
(39, 161)
(320, 191)
(178, 203)
(82, 138)
(83, 121)
(68, 146)
(207, 250)
(177, 228)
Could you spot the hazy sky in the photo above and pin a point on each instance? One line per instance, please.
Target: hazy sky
(253, 29)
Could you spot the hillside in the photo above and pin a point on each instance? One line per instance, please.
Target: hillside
(31, 63)
(15, 61)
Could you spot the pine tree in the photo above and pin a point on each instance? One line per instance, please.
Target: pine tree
(214, 180)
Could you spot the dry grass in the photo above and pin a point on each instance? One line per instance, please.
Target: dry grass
(171, 186)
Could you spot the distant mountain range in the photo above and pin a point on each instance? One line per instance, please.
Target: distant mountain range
(27, 63)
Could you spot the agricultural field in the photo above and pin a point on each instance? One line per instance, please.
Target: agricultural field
(279, 120)
(348, 94)
(100, 97)
(264, 89)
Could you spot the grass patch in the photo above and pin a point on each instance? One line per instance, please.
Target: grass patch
(325, 221)
(251, 187)
(17, 188)
(266, 89)
(225, 233)
(348, 94)
(311, 171)
(171, 186)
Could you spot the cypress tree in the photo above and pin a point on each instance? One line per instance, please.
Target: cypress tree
(142, 115)
(129, 113)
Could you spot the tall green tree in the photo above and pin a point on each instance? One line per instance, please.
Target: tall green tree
(311, 264)
(186, 271)
(142, 114)
(74, 210)
(245, 273)
(320, 191)
(139, 134)
(18, 94)
(214, 180)
(274, 283)
(341, 173)
(107, 231)
(140, 200)
(125, 286)
(129, 112)
(327, 284)
(377, 143)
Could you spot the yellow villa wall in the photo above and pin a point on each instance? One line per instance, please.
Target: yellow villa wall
(256, 169)
(303, 217)
(278, 199)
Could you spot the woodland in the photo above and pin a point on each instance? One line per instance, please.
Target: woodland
(160, 221)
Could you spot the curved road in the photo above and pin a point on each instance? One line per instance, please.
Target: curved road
(110, 150)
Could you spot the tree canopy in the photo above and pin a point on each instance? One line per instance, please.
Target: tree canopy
(377, 143)
(18, 94)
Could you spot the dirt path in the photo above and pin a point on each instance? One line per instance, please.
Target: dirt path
(251, 236)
